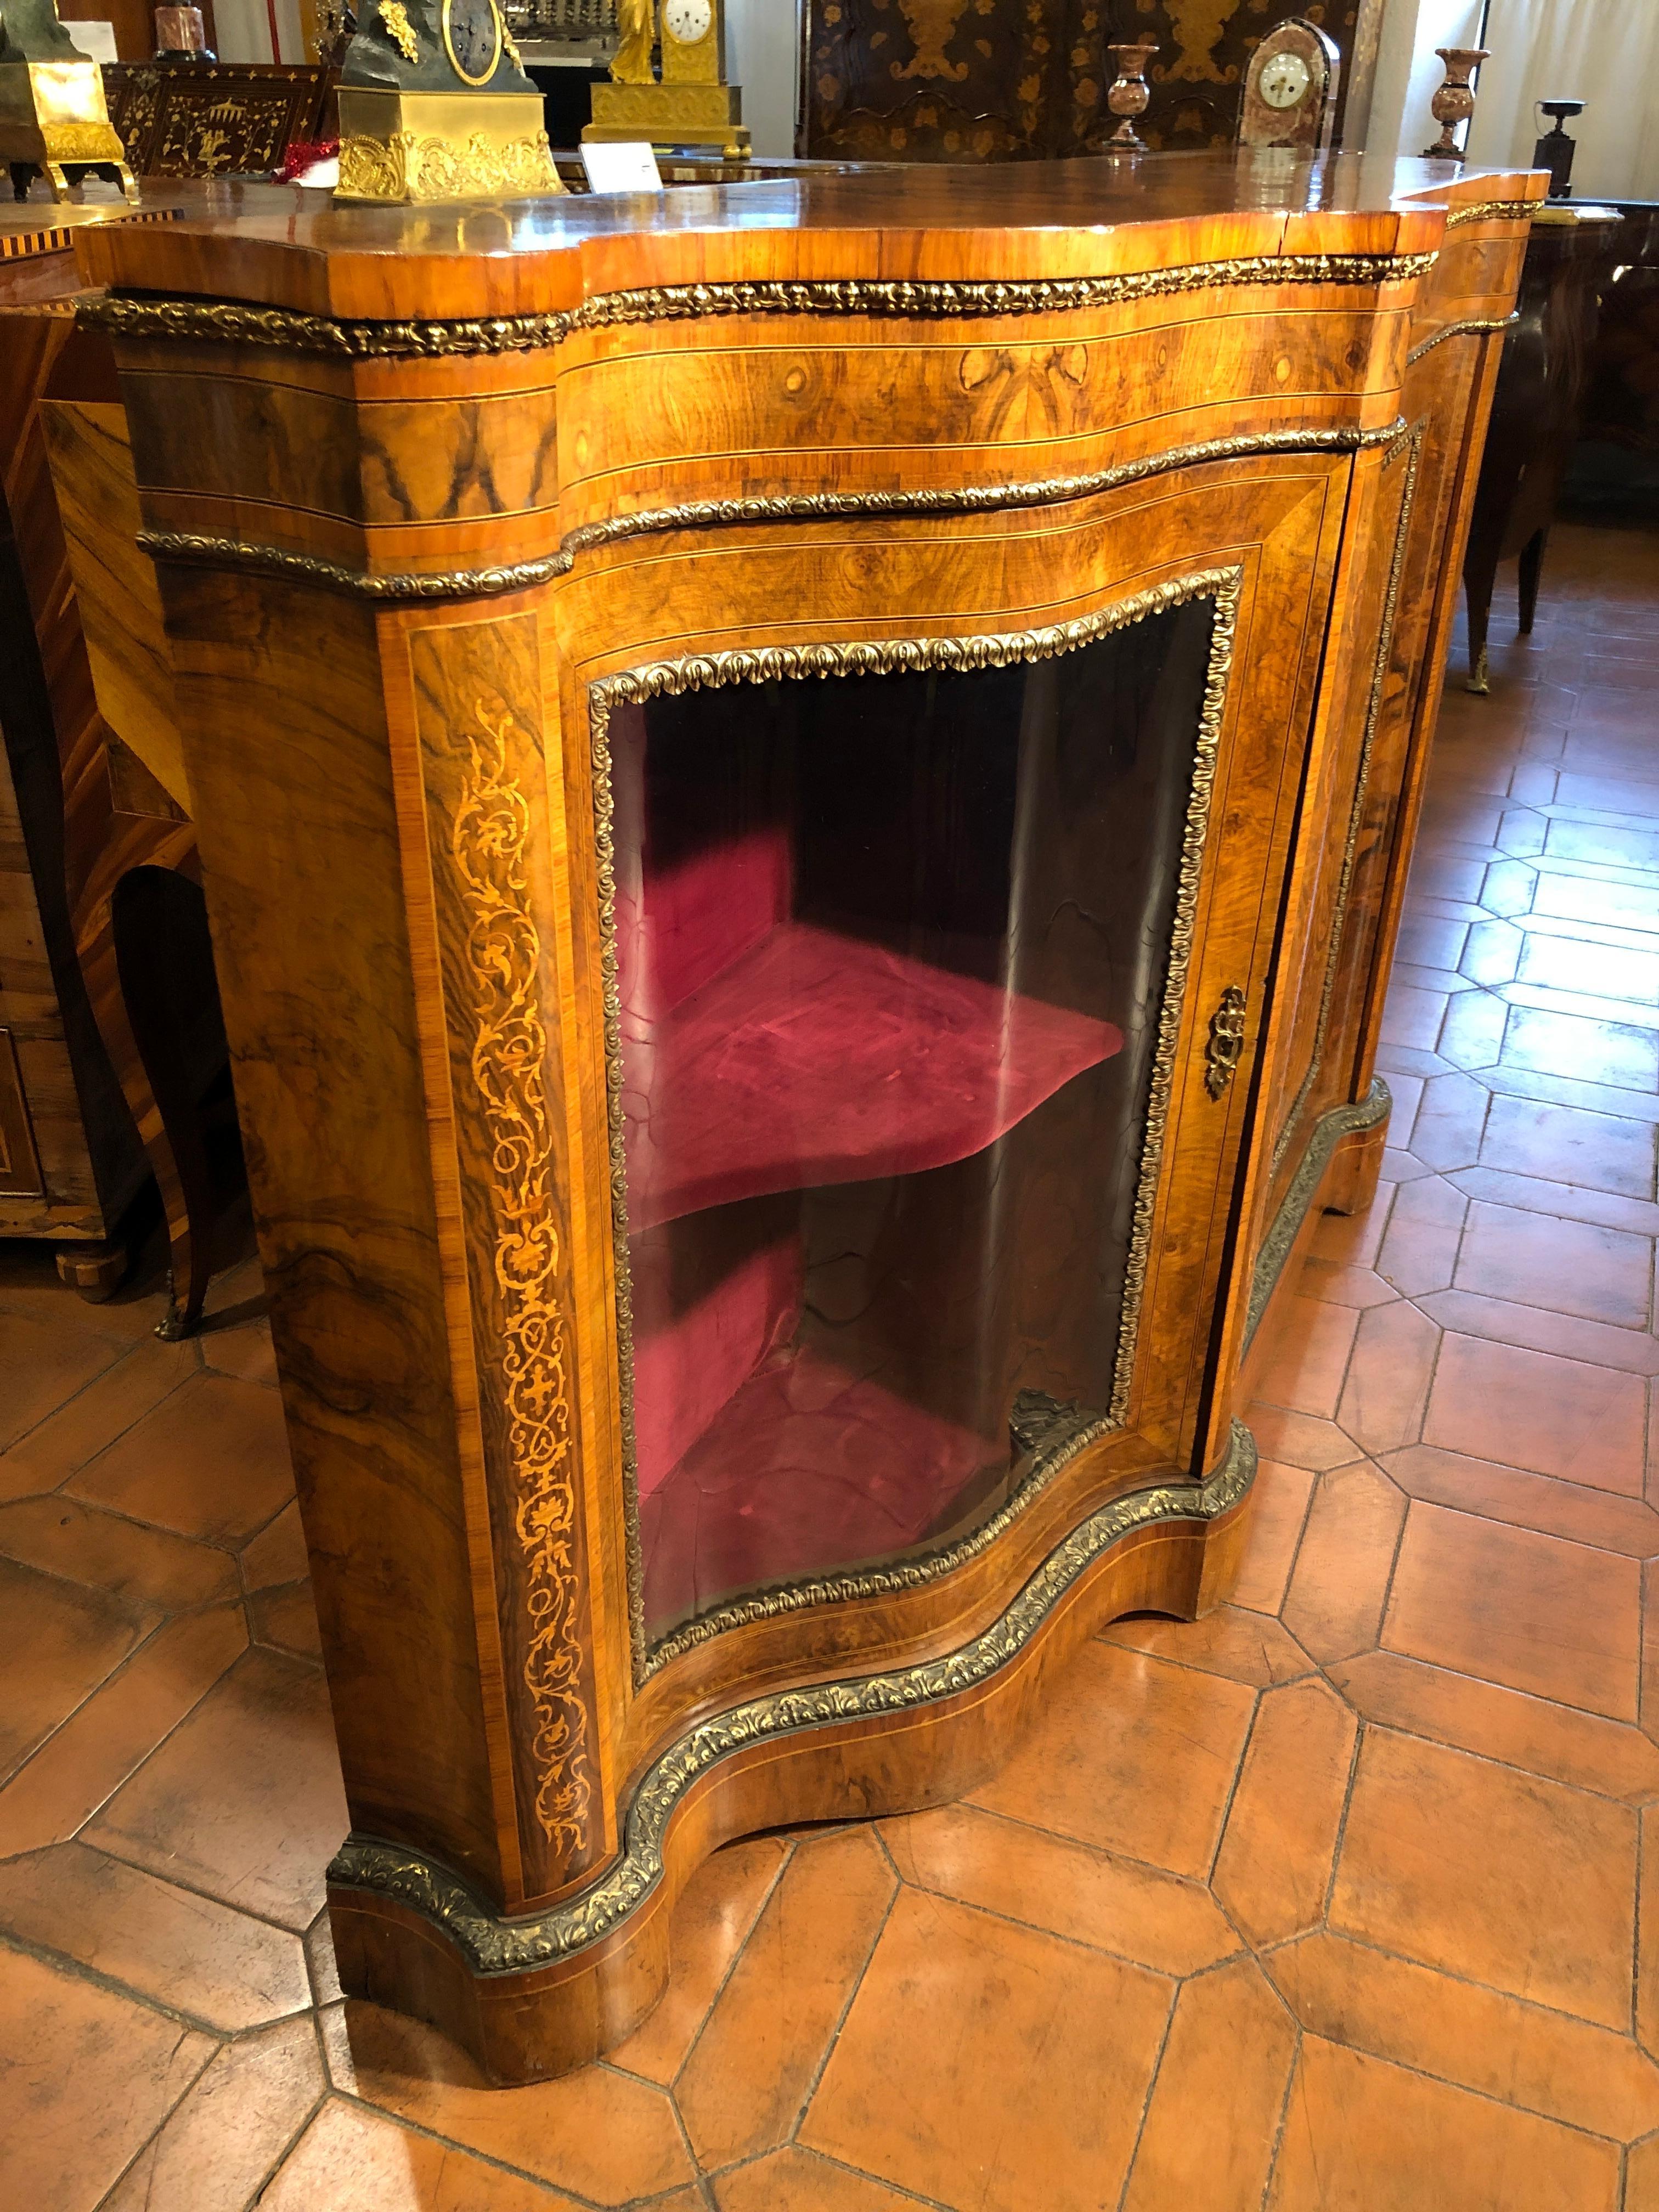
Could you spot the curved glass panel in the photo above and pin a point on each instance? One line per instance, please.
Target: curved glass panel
(891, 953)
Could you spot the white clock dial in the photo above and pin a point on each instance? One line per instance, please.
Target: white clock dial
(1284, 80)
(688, 21)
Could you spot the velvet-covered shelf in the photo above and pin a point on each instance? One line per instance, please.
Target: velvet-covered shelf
(804, 1465)
(816, 1058)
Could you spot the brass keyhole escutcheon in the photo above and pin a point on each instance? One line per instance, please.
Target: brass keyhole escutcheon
(1226, 1041)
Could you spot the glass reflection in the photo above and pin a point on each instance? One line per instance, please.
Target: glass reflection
(891, 951)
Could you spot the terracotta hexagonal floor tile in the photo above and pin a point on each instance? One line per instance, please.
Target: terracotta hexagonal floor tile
(1531, 1409)
(1544, 1502)
(1298, 1438)
(278, 1555)
(755, 2062)
(1096, 1765)
(244, 1799)
(183, 1951)
(1362, 2135)
(1214, 2120)
(45, 1361)
(1569, 1044)
(88, 2075)
(1451, 1115)
(1275, 1866)
(1420, 1252)
(351, 2157)
(1559, 1620)
(1388, 1379)
(1309, 1356)
(1564, 1144)
(796, 2180)
(105, 1739)
(1245, 1647)
(1642, 2177)
(990, 2064)
(1520, 1883)
(57, 1643)
(1025, 1874)
(602, 2134)
(1279, 1498)
(1522, 2054)
(1596, 1344)
(231, 2130)
(1567, 1267)
(86, 1423)
(1608, 1757)
(1339, 1583)
(287, 1620)
(82, 1544)
(1647, 1949)
(211, 1461)
(712, 1920)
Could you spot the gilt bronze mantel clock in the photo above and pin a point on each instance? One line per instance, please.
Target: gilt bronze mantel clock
(53, 116)
(435, 104)
(692, 105)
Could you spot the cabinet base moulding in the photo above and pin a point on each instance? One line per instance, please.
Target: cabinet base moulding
(535, 1997)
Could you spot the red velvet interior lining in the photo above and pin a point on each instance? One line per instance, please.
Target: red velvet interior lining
(686, 1368)
(698, 917)
(762, 1056)
(806, 1469)
(815, 1058)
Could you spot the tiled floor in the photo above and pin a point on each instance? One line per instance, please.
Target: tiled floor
(1332, 1901)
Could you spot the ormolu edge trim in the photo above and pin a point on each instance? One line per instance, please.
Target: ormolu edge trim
(895, 656)
(127, 315)
(966, 499)
(1493, 212)
(721, 513)
(1327, 1134)
(490, 1945)
(306, 569)
(1474, 324)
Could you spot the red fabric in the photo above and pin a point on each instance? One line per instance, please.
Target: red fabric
(686, 1369)
(697, 918)
(301, 156)
(819, 1059)
(806, 1469)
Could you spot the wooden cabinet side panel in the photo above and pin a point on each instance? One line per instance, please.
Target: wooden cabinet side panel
(280, 692)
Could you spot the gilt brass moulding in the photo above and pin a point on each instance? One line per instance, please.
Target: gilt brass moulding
(415, 147)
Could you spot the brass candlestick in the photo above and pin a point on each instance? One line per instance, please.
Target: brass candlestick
(1129, 94)
(1454, 102)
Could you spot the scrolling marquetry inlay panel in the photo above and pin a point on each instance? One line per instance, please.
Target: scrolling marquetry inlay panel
(478, 691)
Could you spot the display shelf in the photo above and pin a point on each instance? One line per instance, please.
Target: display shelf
(805, 1468)
(816, 1058)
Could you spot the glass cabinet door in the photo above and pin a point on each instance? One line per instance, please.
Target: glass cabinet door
(891, 954)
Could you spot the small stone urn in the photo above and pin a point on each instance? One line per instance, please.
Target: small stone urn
(1129, 94)
(1454, 103)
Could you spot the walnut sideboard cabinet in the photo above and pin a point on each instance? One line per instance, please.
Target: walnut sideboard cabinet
(804, 790)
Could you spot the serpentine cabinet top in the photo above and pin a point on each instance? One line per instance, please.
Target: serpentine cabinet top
(1059, 221)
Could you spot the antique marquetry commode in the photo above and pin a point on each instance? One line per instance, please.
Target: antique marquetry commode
(804, 790)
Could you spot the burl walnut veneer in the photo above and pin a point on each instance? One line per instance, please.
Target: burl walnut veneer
(804, 790)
